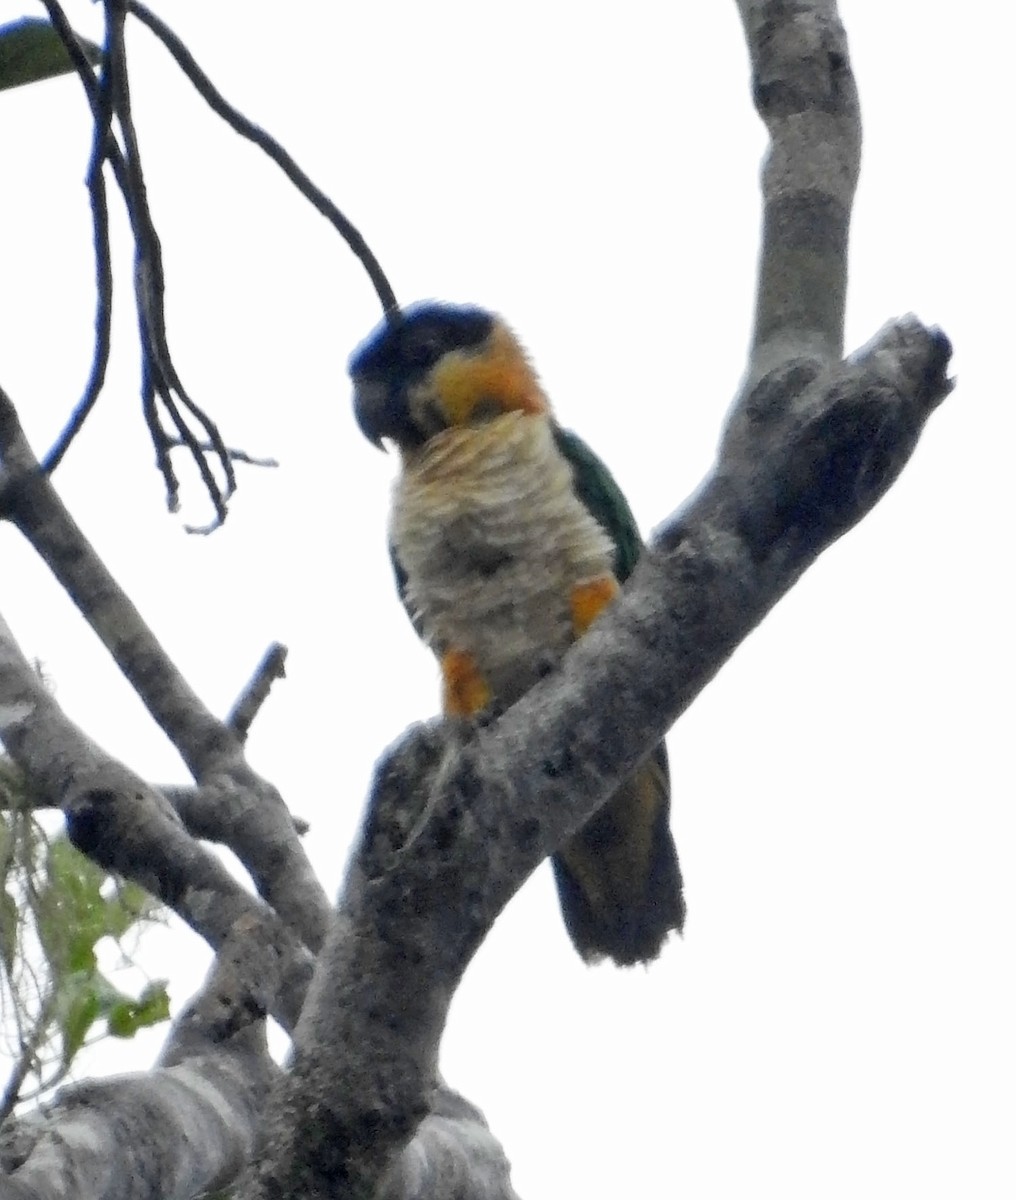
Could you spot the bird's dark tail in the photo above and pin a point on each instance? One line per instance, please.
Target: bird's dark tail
(618, 879)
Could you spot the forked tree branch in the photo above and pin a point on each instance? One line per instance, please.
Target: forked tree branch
(458, 821)
(456, 826)
(126, 826)
(247, 813)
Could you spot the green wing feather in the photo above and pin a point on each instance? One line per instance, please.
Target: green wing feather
(618, 879)
(598, 491)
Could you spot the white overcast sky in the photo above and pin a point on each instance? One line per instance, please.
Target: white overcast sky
(838, 1019)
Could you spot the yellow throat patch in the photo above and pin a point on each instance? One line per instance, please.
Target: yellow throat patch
(498, 378)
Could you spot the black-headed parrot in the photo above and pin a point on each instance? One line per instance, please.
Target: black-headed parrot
(509, 537)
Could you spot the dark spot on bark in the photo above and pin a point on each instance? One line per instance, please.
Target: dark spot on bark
(526, 834)
(445, 829)
(546, 664)
(88, 822)
(558, 765)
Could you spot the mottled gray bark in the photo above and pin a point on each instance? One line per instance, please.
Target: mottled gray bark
(804, 92)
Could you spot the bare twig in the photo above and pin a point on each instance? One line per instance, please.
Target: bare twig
(169, 410)
(240, 456)
(77, 55)
(109, 99)
(100, 97)
(149, 283)
(161, 440)
(253, 133)
(271, 667)
(28, 1055)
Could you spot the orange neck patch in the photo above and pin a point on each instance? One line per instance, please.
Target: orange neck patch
(497, 377)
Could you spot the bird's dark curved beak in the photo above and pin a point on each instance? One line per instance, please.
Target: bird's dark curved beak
(372, 409)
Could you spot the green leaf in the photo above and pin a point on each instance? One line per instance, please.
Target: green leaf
(128, 1016)
(130, 904)
(80, 955)
(31, 50)
(81, 1009)
(71, 909)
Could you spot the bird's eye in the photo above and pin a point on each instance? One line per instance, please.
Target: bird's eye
(423, 352)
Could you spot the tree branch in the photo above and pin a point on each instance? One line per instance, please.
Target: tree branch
(453, 1155)
(458, 822)
(115, 819)
(100, 99)
(250, 815)
(163, 394)
(248, 704)
(124, 825)
(805, 94)
(160, 378)
(109, 99)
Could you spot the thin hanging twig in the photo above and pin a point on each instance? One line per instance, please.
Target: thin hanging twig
(172, 416)
(109, 99)
(281, 157)
(149, 282)
(101, 101)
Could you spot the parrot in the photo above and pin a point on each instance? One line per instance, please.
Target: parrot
(508, 537)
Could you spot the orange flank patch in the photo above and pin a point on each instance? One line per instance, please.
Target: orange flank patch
(466, 692)
(497, 377)
(589, 599)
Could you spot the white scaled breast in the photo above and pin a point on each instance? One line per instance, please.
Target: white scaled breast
(492, 538)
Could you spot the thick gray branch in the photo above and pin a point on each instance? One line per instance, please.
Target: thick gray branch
(179, 1131)
(459, 820)
(453, 1155)
(804, 92)
(248, 814)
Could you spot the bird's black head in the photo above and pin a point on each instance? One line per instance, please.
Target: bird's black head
(391, 368)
